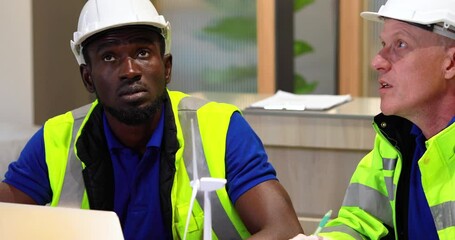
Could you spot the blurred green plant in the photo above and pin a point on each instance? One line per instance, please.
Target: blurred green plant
(301, 85)
(241, 28)
(239, 24)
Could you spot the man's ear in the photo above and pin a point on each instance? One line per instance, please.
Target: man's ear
(449, 64)
(86, 78)
(167, 59)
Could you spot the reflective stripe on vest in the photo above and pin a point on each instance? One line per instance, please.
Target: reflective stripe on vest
(221, 224)
(73, 185)
(444, 215)
(370, 200)
(389, 164)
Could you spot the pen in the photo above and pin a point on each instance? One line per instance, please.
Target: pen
(323, 222)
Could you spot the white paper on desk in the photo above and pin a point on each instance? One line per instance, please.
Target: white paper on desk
(289, 101)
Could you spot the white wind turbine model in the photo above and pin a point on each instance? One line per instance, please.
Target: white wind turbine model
(206, 185)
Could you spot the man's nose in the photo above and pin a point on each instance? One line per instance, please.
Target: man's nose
(129, 69)
(380, 63)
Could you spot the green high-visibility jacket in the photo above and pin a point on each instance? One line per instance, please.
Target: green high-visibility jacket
(81, 173)
(376, 201)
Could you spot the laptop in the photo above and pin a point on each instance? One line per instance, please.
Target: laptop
(21, 221)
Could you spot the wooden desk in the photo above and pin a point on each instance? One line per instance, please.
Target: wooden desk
(313, 152)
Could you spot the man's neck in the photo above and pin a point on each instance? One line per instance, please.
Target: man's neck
(432, 126)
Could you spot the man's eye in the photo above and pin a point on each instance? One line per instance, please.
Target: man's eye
(108, 58)
(143, 53)
(401, 44)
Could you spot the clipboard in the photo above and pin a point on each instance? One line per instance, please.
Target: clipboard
(282, 100)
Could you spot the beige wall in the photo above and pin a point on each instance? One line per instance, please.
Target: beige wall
(40, 77)
(58, 86)
(16, 62)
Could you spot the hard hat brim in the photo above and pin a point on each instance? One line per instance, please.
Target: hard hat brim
(98, 31)
(372, 16)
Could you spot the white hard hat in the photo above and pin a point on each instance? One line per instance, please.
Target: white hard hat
(100, 15)
(440, 14)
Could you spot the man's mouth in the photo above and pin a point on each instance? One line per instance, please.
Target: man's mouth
(384, 85)
(132, 90)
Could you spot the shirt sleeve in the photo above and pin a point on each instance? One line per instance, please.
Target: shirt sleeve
(29, 173)
(246, 160)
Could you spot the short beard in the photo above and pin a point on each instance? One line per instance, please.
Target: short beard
(136, 115)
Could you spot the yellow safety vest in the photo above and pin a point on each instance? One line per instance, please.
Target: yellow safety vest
(211, 121)
(370, 198)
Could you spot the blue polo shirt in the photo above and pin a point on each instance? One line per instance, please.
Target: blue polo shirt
(137, 200)
(420, 219)
(136, 194)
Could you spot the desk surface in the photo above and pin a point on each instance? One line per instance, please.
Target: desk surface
(362, 107)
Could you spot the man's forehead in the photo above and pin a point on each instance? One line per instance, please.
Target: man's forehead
(429, 30)
(395, 29)
(396, 26)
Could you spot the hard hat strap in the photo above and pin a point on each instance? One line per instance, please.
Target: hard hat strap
(445, 30)
(428, 27)
(442, 29)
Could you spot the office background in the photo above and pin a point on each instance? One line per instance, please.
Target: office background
(40, 77)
